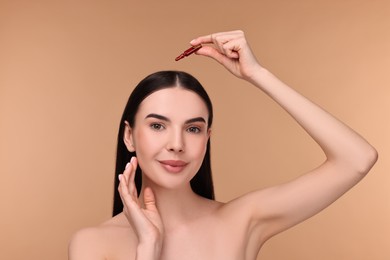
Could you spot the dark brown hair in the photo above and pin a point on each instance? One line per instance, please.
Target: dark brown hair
(202, 183)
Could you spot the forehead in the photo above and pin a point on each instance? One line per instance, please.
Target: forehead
(175, 103)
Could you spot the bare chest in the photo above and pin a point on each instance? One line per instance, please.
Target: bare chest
(209, 243)
(203, 242)
(206, 239)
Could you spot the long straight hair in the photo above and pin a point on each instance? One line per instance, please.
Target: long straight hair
(201, 183)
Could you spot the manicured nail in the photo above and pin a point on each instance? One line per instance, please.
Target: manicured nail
(127, 165)
(191, 42)
(120, 177)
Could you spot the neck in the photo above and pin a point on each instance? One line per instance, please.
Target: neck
(176, 206)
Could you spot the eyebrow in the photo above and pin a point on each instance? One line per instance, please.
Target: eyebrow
(164, 118)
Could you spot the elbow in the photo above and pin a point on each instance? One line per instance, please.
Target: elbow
(368, 160)
(358, 162)
(373, 157)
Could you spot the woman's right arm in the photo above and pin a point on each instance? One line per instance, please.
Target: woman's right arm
(86, 245)
(90, 243)
(145, 219)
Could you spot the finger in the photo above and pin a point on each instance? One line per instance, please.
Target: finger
(202, 40)
(127, 175)
(215, 54)
(149, 199)
(122, 188)
(126, 181)
(123, 193)
(210, 39)
(131, 208)
(130, 203)
(126, 172)
(227, 43)
(231, 49)
(134, 212)
(131, 183)
(216, 38)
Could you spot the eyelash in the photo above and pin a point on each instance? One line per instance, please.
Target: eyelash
(160, 127)
(156, 126)
(194, 129)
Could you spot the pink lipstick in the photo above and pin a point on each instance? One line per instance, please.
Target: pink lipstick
(173, 166)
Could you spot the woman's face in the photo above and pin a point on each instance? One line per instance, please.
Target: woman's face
(170, 137)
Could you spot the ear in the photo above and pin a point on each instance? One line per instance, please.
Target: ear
(209, 132)
(128, 137)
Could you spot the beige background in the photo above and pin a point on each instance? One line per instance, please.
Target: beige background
(67, 68)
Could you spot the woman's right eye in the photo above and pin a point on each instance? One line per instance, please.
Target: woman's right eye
(156, 126)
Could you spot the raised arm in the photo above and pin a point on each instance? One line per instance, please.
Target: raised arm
(145, 220)
(349, 157)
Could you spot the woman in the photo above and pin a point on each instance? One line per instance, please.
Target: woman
(170, 213)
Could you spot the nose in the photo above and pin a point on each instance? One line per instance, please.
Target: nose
(176, 142)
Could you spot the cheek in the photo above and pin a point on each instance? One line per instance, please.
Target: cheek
(145, 143)
(145, 149)
(198, 147)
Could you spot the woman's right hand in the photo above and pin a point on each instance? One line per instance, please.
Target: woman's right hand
(145, 219)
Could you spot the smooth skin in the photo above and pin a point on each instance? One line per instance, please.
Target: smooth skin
(168, 221)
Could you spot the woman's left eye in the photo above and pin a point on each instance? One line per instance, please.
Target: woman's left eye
(156, 126)
(194, 129)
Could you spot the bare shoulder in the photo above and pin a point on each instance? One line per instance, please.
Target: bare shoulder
(86, 244)
(102, 241)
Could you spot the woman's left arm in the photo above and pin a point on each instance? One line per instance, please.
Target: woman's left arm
(349, 157)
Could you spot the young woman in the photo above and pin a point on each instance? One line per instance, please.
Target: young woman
(164, 176)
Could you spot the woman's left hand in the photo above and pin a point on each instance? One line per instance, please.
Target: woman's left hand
(230, 49)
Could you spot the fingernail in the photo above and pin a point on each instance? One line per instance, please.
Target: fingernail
(132, 159)
(120, 177)
(191, 42)
(127, 165)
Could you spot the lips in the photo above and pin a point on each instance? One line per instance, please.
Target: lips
(173, 166)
